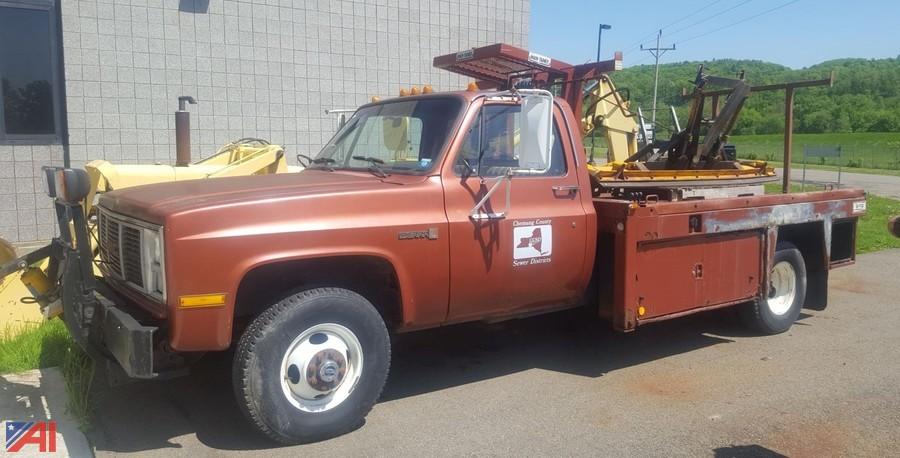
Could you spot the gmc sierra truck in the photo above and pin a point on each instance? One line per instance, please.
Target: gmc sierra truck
(422, 211)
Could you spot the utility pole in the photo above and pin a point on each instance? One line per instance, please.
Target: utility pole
(657, 52)
(599, 36)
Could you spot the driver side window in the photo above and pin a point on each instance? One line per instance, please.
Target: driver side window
(494, 137)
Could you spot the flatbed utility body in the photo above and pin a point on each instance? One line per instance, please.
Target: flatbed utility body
(662, 259)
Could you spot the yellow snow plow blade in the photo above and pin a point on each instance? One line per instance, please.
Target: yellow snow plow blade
(247, 156)
(15, 295)
(20, 290)
(7, 252)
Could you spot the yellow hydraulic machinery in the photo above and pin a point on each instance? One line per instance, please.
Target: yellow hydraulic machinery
(682, 161)
(247, 156)
(607, 112)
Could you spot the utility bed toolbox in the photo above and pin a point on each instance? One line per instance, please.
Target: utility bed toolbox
(659, 259)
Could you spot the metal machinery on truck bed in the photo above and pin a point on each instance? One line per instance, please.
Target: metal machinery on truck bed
(671, 169)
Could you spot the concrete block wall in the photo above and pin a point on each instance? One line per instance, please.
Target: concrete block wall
(26, 213)
(259, 68)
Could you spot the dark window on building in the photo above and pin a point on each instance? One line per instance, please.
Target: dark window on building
(29, 82)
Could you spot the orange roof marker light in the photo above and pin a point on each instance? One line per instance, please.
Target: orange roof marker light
(414, 91)
(427, 89)
(472, 87)
(403, 92)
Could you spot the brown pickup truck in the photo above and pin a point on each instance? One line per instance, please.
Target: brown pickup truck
(480, 207)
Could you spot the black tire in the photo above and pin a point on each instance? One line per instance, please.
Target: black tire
(759, 315)
(262, 349)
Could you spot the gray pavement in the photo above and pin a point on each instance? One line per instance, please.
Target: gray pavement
(563, 385)
(880, 185)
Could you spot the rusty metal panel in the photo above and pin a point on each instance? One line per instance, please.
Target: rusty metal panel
(676, 275)
(674, 258)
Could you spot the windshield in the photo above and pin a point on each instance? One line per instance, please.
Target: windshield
(405, 136)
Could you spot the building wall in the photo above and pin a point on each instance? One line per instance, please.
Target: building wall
(259, 68)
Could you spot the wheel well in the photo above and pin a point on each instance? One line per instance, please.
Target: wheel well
(809, 238)
(372, 277)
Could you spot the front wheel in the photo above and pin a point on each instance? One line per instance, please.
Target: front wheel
(312, 365)
(778, 311)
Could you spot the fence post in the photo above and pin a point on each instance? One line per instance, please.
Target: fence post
(803, 180)
(840, 153)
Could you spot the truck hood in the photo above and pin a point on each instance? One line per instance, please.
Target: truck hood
(156, 202)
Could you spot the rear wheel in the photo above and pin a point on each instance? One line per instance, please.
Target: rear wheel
(778, 311)
(312, 366)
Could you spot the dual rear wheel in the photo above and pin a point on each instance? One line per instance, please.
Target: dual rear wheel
(777, 312)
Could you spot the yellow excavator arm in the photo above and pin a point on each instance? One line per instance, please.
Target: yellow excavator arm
(608, 111)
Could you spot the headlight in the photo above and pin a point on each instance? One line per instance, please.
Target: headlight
(153, 262)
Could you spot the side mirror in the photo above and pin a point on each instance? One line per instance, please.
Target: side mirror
(535, 132)
(535, 143)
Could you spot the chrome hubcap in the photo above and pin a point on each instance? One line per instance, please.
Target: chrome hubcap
(321, 367)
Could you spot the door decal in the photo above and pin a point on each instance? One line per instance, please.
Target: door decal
(532, 242)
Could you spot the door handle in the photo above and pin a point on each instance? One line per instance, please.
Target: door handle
(570, 188)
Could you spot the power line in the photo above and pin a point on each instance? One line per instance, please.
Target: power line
(741, 21)
(637, 44)
(689, 15)
(641, 61)
(711, 17)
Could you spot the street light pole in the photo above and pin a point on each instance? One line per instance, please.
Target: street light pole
(600, 36)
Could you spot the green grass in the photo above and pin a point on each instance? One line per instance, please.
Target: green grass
(33, 346)
(797, 170)
(869, 152)
(862, 150)
(872, 232)
(78, 371)
(48, 344)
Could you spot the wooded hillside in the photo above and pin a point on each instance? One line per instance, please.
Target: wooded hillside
(865, 96)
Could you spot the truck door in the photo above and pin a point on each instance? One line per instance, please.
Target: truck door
(531, 257)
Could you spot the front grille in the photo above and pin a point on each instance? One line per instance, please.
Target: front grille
(121, 251)
(109, 243)
(131, 255)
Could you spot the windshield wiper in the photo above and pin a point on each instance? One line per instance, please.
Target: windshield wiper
(320, 161)
(375, 165)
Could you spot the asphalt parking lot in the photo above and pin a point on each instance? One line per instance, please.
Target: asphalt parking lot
(562, 385)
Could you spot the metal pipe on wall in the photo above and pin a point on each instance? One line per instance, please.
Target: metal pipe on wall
(183, 131)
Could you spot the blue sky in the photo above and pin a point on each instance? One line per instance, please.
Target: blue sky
(799, 34)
